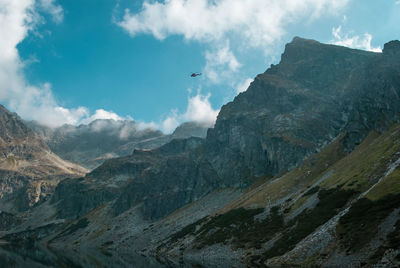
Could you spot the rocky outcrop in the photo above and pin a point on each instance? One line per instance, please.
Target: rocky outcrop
(161, 180)
(29, 171)
(190, 129)
(289, 112)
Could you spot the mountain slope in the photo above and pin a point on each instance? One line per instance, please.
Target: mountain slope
(29, 170)
(313, 214)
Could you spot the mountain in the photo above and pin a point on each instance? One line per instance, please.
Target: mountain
(29, 170)
(288, 113)
(300, 169)
(90, 145)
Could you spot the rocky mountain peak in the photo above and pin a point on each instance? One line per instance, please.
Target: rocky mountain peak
(16, 138)
(11, 125)
(29, 171)
(392, 48)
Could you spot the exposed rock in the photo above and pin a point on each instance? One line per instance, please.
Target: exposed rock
(190, 129)
(392, 48)
(29, 171)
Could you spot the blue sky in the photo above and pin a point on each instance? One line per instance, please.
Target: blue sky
(70, 61)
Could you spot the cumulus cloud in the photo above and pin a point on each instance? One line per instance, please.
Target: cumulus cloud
(32, 102)
(199, 110)
(171, 122)
(241, 87)
(221, 63)
(259, 22)
(147, 125)
(356, 41)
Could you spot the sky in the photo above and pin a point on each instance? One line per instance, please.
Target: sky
(74, 61)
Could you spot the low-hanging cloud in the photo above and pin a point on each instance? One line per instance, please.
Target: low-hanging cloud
(199, 110)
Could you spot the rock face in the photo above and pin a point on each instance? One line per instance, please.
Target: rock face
(190, 129)
(289, 112)
(90, 145)
(29, 171)
(161, 180)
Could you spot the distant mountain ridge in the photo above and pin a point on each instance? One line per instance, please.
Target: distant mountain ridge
(90, 145)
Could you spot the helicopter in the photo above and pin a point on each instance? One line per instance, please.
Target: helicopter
(195, 74)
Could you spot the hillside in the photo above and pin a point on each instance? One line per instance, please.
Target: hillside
(29, 169)
(334, 210)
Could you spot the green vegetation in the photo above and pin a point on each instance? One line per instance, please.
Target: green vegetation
(306, 222)
(392, 242)
(81, 224)
(312, 191)
(389, 185)
(232, 224)
(239, 227)
(348, 176)
(242, 229)
(309, 173)
(191, 228)
(367, 163)
(356, 228)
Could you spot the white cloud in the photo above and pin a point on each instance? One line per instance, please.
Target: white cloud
(397, 2)
(147, 125)
(241, 87)
(356, 41)
(221, 63)
(103, 114)
(199, 110)
(17, 18)
(170, 123)
(258, 22)
(55, 10)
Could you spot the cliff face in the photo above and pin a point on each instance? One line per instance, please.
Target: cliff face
(29, 170)
(289, 112)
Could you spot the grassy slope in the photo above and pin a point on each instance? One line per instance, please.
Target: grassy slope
(329, 169)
